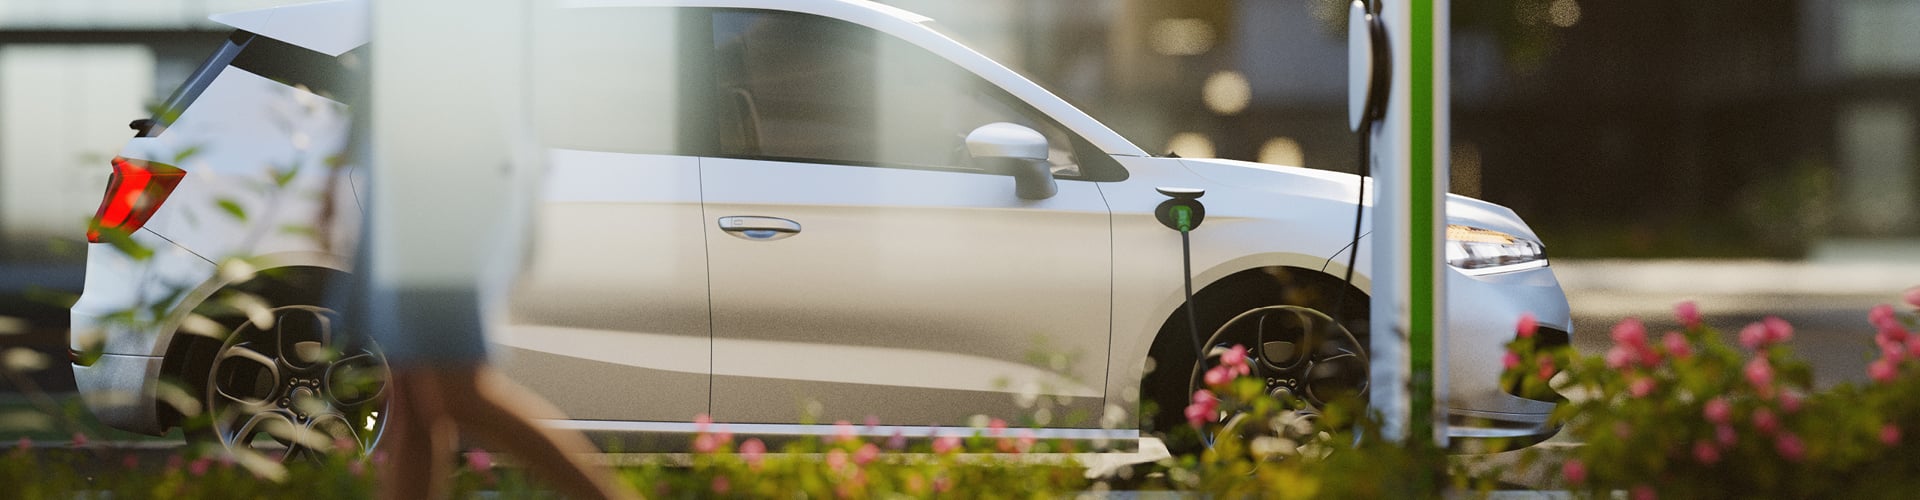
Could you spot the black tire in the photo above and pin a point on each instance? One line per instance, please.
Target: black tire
(1167, 388)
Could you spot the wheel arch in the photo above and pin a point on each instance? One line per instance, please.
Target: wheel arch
(1219, 300)
(289, 279)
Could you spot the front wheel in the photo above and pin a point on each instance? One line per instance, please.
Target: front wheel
(1304, 359)
(296, 387)
(1301, 354)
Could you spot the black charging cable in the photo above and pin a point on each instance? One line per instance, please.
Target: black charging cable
(1183, 212)
(1359, 212)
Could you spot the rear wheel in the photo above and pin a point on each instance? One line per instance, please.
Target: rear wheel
(296, 386)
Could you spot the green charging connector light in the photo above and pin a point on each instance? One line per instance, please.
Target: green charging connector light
(1183, 216)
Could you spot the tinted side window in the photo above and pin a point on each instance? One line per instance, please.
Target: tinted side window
(621, 79)
(800, 87)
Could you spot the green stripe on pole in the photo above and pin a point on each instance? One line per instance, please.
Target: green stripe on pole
(1420, 177)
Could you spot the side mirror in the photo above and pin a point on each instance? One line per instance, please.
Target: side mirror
(1021, 151)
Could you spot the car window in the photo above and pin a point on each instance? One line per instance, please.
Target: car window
(620, 79)
(288, 64)
(800, 87)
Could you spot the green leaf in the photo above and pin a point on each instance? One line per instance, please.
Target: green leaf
(124, 242)
(233, 208)
(299, 230)
(281, 177)
(185, 154)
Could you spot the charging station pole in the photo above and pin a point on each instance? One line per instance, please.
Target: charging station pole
(1409, 222)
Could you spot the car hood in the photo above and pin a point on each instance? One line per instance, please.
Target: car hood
(1296, 181)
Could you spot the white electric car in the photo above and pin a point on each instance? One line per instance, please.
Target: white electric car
(773, 212)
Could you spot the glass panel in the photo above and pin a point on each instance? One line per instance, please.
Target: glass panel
(801, 87)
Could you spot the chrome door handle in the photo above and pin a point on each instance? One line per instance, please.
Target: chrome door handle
(759, 228)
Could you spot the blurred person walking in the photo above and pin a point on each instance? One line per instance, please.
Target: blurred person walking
(453, 181)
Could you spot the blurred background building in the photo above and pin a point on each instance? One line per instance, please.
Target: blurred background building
(1618, 128)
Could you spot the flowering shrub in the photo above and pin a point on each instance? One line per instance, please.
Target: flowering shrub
(1688, 414)
(846, 466)
(1262, 447)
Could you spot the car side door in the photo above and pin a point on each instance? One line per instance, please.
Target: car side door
(862, 265)
(610, 318)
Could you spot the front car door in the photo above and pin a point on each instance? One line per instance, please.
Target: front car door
(862, 266)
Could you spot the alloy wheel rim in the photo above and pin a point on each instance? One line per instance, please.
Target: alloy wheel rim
(299, 384)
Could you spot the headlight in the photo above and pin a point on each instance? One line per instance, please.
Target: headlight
(1477, 251)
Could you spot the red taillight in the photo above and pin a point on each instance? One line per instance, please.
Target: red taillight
(134, 193)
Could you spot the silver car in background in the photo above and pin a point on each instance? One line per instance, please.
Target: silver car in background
(773, 212)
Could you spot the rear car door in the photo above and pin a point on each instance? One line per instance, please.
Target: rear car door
(861, 266)
(610, 320)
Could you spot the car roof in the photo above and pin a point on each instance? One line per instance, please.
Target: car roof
(336, 26)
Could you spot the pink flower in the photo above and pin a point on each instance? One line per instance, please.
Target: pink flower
(1790, 401)
(873, 421)
(1510, 361)
(23, 444)
(1528, 325)
(998, 427)
(723, 435)
(1219, 376)
(1630, 332)
(1718, 411)
(946, 444)
(1893, 334)
(1754, 336)
(1725, 434)
(1760, 373)
(479, 460)
(79, 440)
(843, 431)
(753, 450)
(1883, 318)
(1889, 434)
(1913, 346)
(1622, 429)
(701, 422)
(705, 443)
(199, 467)
(1641, 387)
(721, 486)
(1705, 452)
(1688, 313)
(1546, 365)
(1621, 357)
(866, 454)
(1882, 370)
(1790, 447)
(1027, 440)
(1644, 492)
(1235, 356)
(898, 441)
(1677, 345)
(1778, 330)
(836, 459)
(357, 467)
(1575, 471)
(1912, 296)
(130, 461)
(1765, 421)
(1890, 349)
(1204, 408)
